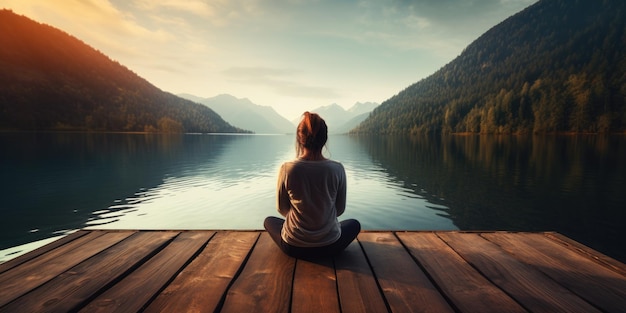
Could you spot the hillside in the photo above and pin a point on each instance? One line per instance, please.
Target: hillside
(557, 66)
(53, 81)
(245, 114)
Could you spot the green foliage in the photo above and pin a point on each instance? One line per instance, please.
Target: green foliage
(53, 81)
(557, 66)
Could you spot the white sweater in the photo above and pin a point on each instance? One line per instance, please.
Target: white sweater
(310, 195)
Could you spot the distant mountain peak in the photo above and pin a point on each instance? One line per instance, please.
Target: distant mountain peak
(243, 113)
(340, 120)
(362, 107)
(333, 108)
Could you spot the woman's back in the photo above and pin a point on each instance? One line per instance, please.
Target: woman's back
(311, 194)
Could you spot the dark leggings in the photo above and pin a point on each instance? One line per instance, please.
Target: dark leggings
(350, 228)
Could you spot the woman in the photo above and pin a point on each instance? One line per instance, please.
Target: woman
(311, 194)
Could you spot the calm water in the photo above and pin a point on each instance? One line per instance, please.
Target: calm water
(53, 184)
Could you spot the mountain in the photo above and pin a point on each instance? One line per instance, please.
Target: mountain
(350, 124)
(556, 66)
(334, 115)
(362, 107)
(339, 120)
(53, 81)
(245, 114)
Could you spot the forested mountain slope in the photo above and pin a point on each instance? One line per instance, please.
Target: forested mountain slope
(557, 66)
(50, 80)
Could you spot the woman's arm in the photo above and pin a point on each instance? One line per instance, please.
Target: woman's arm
(340, 202)
(283, 202)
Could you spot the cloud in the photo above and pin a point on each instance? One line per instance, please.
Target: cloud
(247, 73)
(293, 89)
(345, 51)
(97, 22)
(194, 7)
(282, 81)
(217, 13)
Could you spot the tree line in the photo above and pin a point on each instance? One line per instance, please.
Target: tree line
(557, 66)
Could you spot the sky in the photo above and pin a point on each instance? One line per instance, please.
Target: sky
(292, 55)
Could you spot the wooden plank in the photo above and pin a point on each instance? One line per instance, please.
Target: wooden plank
(315, 286)
(41, 250)
(591, 253)
(602, 287)
(235, 272)
(202, 284)
(133, 292)
(534, 290)
(265, 283)
(356, 284)
(404, 284)
(462, 284)
(70, 290)
(39, 270)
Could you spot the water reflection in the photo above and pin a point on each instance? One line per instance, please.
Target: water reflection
(53, 182)
(56, 183)
(573, 185)
(233, 190)
(379, 198)
(236, 190)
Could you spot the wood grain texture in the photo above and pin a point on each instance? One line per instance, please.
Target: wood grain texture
(48, 266)
(356, 284)
(244, 271)
(590, 253)
(265, 283)
(404, 284)
(462, 284)
(535, 291)
(597, 284)
(202, 284)
(41, 250)
(134, 291)
(68, 291)
(315, 287)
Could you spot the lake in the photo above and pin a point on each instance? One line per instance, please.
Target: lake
(56, 183)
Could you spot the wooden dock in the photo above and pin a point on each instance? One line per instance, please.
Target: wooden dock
(243, 271)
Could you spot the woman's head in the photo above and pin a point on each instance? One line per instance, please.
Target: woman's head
(312, 134)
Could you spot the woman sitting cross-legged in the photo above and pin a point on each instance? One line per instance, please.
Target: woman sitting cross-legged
(311, 194)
